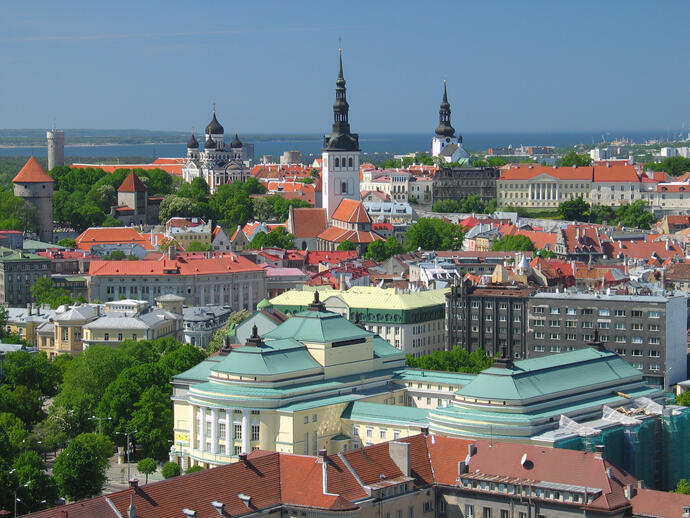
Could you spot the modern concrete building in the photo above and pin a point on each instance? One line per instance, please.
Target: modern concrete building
(649, 332)
(36, 187)
(18, 272)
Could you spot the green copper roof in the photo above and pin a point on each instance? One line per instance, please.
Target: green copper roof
(273, 358)
(7, 254)
(317, 327)
(383, 349)
(550, 375)
(264, 304)
(201, 371)
(426, 376)
(380, 413)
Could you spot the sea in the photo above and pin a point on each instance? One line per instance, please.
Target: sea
(375, 145)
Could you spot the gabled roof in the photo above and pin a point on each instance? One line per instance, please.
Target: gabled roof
(112, 235)
(190, 264)
(32, 172)
(616, 173)
(351, 211)
(308, 222)
(338, 235)
(132, 184)
(515, 172)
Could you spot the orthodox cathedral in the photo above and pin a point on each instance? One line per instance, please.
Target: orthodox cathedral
(217, 163)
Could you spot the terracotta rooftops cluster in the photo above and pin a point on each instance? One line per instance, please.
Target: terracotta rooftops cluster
(347, 482)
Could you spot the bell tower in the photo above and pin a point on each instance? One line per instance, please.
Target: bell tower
(445, 133)
(340, 153)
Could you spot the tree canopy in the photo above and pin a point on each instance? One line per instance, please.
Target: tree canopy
(279, 237)
(346, 246)
(80, 469)
(572, 158)
(382, 250)
(434, 234)
(16, 213)
(455, 360)
(574, 210)
(673, 165)
(517, 243)
(44, 291)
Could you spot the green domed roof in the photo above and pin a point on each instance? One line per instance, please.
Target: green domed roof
(264, 304)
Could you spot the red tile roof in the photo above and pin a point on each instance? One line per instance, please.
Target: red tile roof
(110, 236)
(643, 249)
(615, 173)
(132, 184)
(169, 165)
(582, 238)
(188, 264)
(308, 223)
(351, 211)
(648, 502)
(32, 172)
(338, 235)
(318, 257)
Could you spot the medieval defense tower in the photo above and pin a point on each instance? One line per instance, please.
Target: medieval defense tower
(36, 187)
(56, 148)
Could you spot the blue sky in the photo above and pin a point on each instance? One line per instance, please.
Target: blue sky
(271, 65)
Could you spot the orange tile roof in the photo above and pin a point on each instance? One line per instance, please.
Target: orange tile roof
(309, 223)
(673, 187)
(615, 173)
(189, 264)
(643, 249)
(110, 236)
(132, 184)
(351, 211)
(32, 172)
(648, 502)
(169, 167)
(336, 257)
(515, 172)
(338, 235)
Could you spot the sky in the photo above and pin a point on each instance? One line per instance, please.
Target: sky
(270, 66)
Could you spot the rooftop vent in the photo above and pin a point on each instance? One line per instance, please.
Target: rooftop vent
(218, 506)
(189, 512)
(246, 499)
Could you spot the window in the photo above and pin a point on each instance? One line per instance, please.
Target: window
(555, 349)
(587, 311)
(314, 418)
(428, 507)
(255, 432)
(486, 512)
(555, 311)
(620, 352)
(653, 366)
(637, 352)
(571, 323)
(654, 354)
(370, 432)
(221, 429)
(571, 311)
(539, 348)
(410, 512)
(654, 341)
(237, 450)
(106, 336)
(382, 434)
(539, 323)
(653, 327)
(636, 327)
(306, 419)
(604, 313)
(554, 336)
(604, 325)
(620, 339)
(469, 511)
(538, 310)
(620, 326)
(654, 314)
(571, 336)
(637, 366)
(119, 337)
(619, 313)
(554, 323)
(396, 434)
(636, 314)
(355, 431)
(504, 513)
(587, 325)
(539, 335)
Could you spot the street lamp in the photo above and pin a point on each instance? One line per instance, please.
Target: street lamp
(100, 422)
(127, 434)
(15, 495)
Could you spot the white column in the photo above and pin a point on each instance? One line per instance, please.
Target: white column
(192, 427)
(245, 430)
(558, 192)
(228, 431)
(553, 191)
(202, 297)
(202, 428)
(214, 430)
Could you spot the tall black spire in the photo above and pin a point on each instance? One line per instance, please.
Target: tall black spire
(341, 139)
(444, 128)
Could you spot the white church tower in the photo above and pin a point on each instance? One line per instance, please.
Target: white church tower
(340, 153)
(445, 144)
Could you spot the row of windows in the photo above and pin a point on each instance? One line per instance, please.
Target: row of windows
(502, 305)
(602, 312)
(540, 335)
(619, 326)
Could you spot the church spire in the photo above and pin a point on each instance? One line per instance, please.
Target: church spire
(341, 138)
(444, 128)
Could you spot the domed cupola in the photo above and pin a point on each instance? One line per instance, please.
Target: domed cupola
(210, 143)
(236, 143)
(192, 143)
(214, 127)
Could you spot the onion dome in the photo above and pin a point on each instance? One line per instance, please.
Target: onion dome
(214, 127)
(192, 143)
(210, 143)
(236, 143)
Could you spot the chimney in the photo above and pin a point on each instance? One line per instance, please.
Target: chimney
(599, 451)
(218, 506)
(171, 251)
(424, 430)
(64, 514)
(243, 458)
(629, 491)
(462, 467)
(131, 510)
(400, 454)
(323, 460)
(134, 483)
(471, 450)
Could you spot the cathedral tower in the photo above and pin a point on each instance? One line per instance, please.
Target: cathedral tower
(445, 133)
(340, 153)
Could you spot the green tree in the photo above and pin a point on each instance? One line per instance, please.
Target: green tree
(683, 399)
(635, 215)
(346, 246)
(517, 243)
(44, 291)
(170, 470)
(218, 339)
(196, 190)
(674, 165)
(445, 206)
(177, 206)
(574, 210)
(16, 213)
(393, 247)
(67, 243)
(434, 234)
(147, 466)
(80, 469)
(601, 213)
(36, 490)
(198, 246)
(262, 208)
(51, 433)
(683, 487)
(193, 469)
(545, 254)
(110, 221)
(571, 158)
(279, 237)
(25, 403)
(455, 360)
(153, 419)
(33, 370)
(376, 250)
(472, 204)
